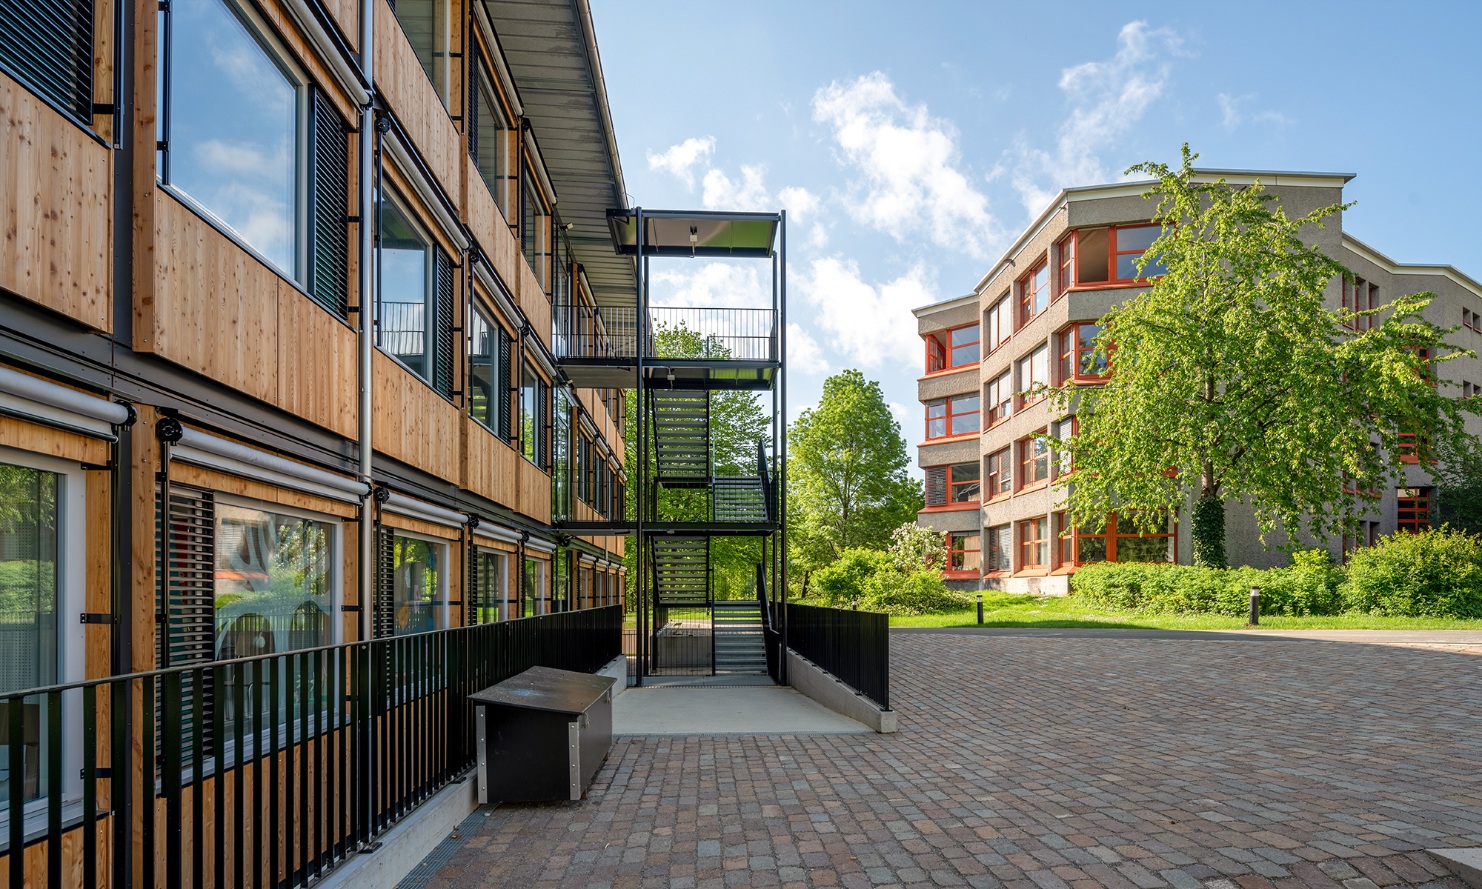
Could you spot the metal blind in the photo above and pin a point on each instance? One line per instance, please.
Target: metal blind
(473, 594)
(442, 369)
(502, 387)
(473, 107)
(186, 602)
(329, 198)
(48, 45)
(383, 619)
(936, 486)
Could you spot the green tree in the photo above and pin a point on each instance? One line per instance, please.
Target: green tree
(846, 484)
(1459, 486)
(1232, 380)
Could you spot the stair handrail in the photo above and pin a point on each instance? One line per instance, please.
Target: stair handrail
(768, 495)
(761, 595)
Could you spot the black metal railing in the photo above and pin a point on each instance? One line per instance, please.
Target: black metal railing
(703, 333)
(771, 637)
(265, 771)
(769, 484)
(852, 645)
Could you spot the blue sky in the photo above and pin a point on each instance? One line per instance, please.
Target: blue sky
(911, 142)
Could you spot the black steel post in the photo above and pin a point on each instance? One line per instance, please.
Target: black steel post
(1255, 606)
(980, 609)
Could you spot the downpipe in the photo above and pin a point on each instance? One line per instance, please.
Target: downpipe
(365, 252)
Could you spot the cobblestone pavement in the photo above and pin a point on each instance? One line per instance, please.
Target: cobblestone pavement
(1029, 761)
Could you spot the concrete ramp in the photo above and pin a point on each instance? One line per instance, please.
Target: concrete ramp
(721, 710)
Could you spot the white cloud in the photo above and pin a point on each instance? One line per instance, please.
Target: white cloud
(907, 160)
(720, 192)
(1234, 115)
(901, 411)
(712, 285)
(868, 324)
(682, 159)
(803, 352)
(1107, 100)
(799, 202)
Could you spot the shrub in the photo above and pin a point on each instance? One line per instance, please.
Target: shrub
(918, 592)
(913, 547)
(842, 584)
(1435, 573)
(1309, 586)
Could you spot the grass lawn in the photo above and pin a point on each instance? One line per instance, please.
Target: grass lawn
(1012, 610)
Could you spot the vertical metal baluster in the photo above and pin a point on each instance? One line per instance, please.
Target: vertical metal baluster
(149, 766)
(239, 786)
(305, 704)
(259, 794)
(290, 759)
(16, 756)
(316, 717)
(53, 788)
(273, 673)
(222, 697)
(170, 778)
(90, 787)
(198, 777)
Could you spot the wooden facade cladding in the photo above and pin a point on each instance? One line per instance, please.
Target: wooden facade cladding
(490, 466)
(218, 310)
(487, 224)
(532, 299)
(56, 221)
(403, 84)
(346, 17)
(534, 491)
(413, 423)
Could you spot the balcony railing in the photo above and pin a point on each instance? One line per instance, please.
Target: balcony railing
(674, 332)
(265, 771)
(852, 645)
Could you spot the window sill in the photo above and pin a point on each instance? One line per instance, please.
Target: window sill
(1111, 285)
(1063, 571)
(949, 371)
(951, 507)
(1031, 572)
(959, 574)
(1034, 486)
(998, 498)
(1026, 405)
(987, 574)
(948, 439)
(1086, 381)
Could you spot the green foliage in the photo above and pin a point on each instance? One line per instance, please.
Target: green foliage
(1209, 533)
(914, 548)
(1310, 586)
(869, 580)
(1459, 486)
(847, 482)
(1231, 372)
(1435, 573)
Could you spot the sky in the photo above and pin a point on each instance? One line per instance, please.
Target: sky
(910, 143)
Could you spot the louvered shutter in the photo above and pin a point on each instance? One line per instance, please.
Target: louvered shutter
(473, 595)
(442, 373)
(329, 198)
(936, 486)
(49, 47)
(186, 601)
(473, 108)
(502, 386)
(383, 622)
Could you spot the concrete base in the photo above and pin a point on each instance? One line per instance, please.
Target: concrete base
(406, 844)
(1465, 863)
(617, 669)
(813, 681)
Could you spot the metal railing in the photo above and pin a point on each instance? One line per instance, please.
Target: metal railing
(709, 334)
(264, 771)
(771, 637)
(852, 645)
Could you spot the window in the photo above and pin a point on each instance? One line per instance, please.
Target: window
(952, 348)
(484, 601)
(426, 24)
(1064, 541)
(1471, 320)
(1414, 507)
(1359, 296)
(964, 553)
(1034, 462)
(414, 308)
(533, 590)
(947, 417)
(412, 588)
(1000, 550)
(252, 147)
(489, 135)
(561, 450)
(955, 484)
(275, 580)
(1063, 431)
(1034, 292)
(1000, 473)
(1079, 362)
(1000, 398)
(1066, 277)
(1034, 376)
(535, 232)
(1034, 543)
(1107, 256)
(1366, 534)
(532, 415)
(1119, 540)
(998, 326)
(489, 355)
(1128, 244)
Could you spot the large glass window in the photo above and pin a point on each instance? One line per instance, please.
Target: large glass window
(404, 310)
(484, 386)
(1119, 540)
(1034, 292)
(955, 484)
(1414, 505)
(1128, 244)
(532, 591)
(1000, 549)
(957, 415)
(487, 596)
(952, 348)
(1034, 376)
(1034, 543)
(237, 118)
(1000, 398)
(490, 141)
(532, 415)
(417, 592)
(1078, 359)
(535, 231)
(964, 552)
(274, 584)
(426, 25)
(1000, 473)
(999, 328)
(561, 456)
(1034, 461)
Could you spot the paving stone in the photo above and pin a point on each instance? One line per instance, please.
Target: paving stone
(1121, 762)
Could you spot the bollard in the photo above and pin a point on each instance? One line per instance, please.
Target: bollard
(980, 609)
(1255, 606)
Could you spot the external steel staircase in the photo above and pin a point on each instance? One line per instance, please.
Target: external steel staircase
(739, 647)
(681, 571)
(681, 424)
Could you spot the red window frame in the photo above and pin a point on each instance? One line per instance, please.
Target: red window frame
(1029, 395)
(1031, 285)
(1034, 551)
(964, 560)
(1413, 506)
(943, 493)
(945, 410)
(1058, 465)
(1065, 279)
(1359, 296)
(1034, 461)
(1000, 398)
(941, 352)
(999, 481)
(1074, 351)
(1113, 254)
(1000, 551)
(997, 320)
(1110, 534)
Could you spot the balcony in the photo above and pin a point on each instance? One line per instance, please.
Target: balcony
(602, 346)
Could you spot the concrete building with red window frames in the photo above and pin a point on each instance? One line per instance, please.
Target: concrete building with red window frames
(991, 355)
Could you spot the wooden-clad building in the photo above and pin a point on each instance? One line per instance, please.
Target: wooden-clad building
(278, 374)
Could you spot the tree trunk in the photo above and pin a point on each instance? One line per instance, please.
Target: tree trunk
(1209, 532)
